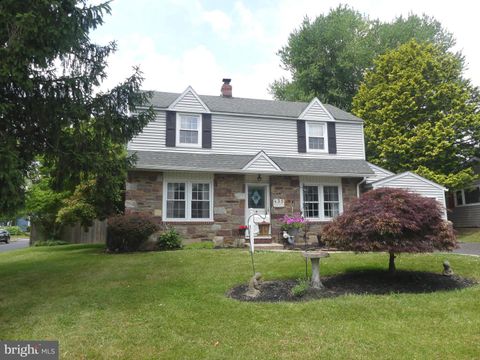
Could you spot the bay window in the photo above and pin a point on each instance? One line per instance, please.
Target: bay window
(321, 202)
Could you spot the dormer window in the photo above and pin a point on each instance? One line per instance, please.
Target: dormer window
(316, 136)
(189, 130)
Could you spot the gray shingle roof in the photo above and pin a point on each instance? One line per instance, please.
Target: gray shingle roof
(250, 106)
(165, 160)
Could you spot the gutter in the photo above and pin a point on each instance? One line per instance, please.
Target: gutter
(358, 186)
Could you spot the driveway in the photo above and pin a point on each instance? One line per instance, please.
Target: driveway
(468, 249)
(14, 245)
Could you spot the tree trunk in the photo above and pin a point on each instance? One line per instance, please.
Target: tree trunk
(391, 263)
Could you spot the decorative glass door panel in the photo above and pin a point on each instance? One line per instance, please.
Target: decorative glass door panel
(256, 197)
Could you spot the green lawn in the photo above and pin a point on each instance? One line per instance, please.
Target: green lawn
(171, 305)
(471, 235)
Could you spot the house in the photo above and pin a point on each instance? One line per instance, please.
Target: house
(409, 181)
(464, 205)
(207, 163)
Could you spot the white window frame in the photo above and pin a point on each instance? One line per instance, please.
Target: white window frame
(463, 197)
(188, 199)
(178, 128)
(325, 136)
(321, 210)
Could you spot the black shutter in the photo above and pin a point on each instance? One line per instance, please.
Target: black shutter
(301, 136)
(207, 131)
(171, 129)
(332, 138)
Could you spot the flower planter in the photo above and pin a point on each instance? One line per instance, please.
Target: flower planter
(263, 229)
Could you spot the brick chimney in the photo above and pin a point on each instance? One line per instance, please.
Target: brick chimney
(226, 88)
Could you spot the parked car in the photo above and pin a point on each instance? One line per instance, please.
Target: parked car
(4, 236)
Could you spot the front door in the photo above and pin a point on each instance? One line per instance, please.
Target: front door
(258, 200)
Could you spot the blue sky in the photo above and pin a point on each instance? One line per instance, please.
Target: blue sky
(178, 43)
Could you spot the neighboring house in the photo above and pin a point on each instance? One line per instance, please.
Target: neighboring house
(465, 205)
(206, 163)
(406, 180)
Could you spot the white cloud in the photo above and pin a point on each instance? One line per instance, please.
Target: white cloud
(218, 21)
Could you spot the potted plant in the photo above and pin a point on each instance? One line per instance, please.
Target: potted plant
(292, 224)
(242, 229)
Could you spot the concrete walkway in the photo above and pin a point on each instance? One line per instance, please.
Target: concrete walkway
(468, 249)
(14, 245)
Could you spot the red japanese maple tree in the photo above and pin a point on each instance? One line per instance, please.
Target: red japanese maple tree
(391, 220)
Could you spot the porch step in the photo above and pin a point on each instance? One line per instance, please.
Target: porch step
(270, 246)
(263, 240)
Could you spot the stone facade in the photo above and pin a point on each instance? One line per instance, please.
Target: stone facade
(144, 191)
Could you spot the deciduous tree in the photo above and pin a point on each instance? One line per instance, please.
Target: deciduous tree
(327, 57)
(421, 114)
(393, 221)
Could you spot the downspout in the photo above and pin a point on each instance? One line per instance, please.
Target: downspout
(358, 186)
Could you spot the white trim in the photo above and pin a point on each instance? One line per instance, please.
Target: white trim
(380, 169)
(182, 95)
(325, 136)
(321, 209)
(177, 130)
(313, 102)
(399, 176)
(266, 157)
(188, 197)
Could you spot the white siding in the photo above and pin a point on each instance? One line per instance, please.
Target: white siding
(350, 142)
(412, 183)
(316, 112)
(249, 135)
(190, 103)
(379, 174)
(152, 138)
(261, 164)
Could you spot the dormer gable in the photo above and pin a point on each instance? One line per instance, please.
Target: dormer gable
(189, 101)
(316, 111)
(262, 162)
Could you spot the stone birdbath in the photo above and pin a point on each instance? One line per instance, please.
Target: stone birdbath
(315, 257)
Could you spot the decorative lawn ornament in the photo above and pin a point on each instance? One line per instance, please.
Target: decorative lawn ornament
(391, 220)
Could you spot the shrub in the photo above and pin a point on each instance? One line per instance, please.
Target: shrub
(13, 230)
(50, 243)
(169, 240)
(301, 288)
(127, 232)
(391, 220)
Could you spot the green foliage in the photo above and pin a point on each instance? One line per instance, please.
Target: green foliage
(50, 243)
(421, 114)
(169, 240)
(43, 204)
(50, 106)
(128, 232)
(13, 230)
(327, 57)
(301, 288)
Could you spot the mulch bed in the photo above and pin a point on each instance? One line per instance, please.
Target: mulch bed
(357, 282)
